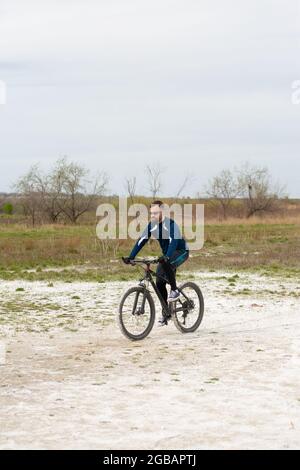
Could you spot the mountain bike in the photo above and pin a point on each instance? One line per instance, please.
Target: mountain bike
(136, 313)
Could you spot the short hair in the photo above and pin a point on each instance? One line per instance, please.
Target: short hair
(156, 203)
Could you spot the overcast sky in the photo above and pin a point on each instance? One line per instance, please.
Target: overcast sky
(199, 85)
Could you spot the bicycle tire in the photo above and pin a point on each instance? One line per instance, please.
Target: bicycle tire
(123, 328)
(197, 323)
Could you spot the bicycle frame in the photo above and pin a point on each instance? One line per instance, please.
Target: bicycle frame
(148, 277)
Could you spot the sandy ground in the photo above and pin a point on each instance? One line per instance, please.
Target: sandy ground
(71, 380)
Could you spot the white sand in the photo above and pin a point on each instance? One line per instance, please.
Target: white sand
(234, 384)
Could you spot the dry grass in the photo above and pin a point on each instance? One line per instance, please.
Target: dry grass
(256, 220)
(233, 244)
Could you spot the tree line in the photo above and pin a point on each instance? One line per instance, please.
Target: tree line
(69, 190)
(252, 184)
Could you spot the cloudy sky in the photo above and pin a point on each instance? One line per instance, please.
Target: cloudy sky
(197, 85)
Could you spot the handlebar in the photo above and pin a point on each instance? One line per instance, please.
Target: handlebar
(142, 261)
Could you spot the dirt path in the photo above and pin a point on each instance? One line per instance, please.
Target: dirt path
(72, 381)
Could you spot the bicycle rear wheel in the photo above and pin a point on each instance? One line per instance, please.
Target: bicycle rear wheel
(136, 313)
(190, 308)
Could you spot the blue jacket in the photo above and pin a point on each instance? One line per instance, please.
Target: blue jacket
(166, 232)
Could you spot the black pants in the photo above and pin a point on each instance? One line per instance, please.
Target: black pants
(167, 272)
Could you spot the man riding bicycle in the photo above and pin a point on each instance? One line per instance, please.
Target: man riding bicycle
(174, 247)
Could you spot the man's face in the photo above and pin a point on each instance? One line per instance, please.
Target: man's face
(155, 214)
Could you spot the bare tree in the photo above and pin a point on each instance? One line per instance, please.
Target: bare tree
(130, 185)
(78, 192)
(27, 187)
(154, 174)
(187, 179)
(50, 190)
(67, 191)
(259, 193)
(223, 189)
(40, 193)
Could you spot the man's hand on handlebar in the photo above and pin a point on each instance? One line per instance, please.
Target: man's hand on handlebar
(163, 259)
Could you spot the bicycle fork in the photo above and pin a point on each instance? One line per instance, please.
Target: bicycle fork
(141, 309)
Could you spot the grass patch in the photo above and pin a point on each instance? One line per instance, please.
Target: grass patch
(213, 380)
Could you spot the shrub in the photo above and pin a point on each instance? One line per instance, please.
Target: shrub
(7, 208)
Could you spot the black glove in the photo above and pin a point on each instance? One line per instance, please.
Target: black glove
(127, 259)
(164, 259)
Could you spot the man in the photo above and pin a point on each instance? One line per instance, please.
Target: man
(174, 248)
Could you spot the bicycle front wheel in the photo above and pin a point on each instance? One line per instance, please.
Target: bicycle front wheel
(136, 313)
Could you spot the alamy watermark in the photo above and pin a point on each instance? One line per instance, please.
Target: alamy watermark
(2, 92)
(114, 224)
(296, 92)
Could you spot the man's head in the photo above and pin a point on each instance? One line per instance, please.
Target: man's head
(156, 211)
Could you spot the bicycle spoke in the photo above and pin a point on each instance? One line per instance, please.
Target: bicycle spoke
(188, 308)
